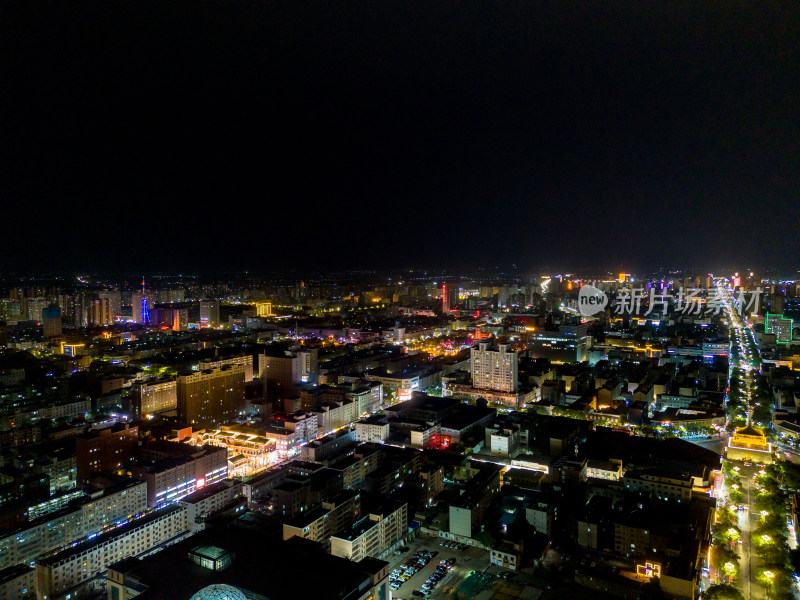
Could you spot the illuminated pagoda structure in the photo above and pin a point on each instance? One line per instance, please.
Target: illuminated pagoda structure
(749, 444)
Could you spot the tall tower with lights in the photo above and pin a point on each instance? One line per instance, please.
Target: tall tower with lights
(145, 312)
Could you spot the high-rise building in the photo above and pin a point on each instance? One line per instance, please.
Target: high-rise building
(10, 310)
(100, 312)
(780, 327)
(494, 369)
(449, 297)
(114, 298)
(180, 319)
(209, 313)
(34, 307)
(51, 321)
(136, 307)
(295, 367)
(211, 397)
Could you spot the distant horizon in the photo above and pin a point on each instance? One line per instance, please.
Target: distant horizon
(70, 275)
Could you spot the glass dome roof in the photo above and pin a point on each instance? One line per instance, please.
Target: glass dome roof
(219, 591)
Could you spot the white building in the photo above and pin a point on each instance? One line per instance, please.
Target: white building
(209, 500)
(541, 516)
(246, 360)
(374, 429)
(95, 512)
(83, 567)
(373, 533)
(601, 469)
(17, 582)
(502, 441)
(494, 369)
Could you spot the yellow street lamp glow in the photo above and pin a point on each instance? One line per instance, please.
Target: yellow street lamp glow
(769, 574)
(766, 538)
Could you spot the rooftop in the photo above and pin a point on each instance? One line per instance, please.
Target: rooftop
(255, 556)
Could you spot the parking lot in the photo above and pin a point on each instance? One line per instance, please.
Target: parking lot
(467, 560)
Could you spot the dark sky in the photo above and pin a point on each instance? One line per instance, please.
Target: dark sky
(277, 135)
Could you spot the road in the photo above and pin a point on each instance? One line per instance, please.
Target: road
(748, 521)
(746, 360)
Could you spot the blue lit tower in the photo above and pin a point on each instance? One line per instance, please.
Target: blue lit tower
(145, 312)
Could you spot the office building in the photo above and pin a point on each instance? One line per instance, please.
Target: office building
(661, 483)
(211, 397)
(567, 343)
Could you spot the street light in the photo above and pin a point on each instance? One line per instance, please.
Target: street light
(767, 540)
(769, 576)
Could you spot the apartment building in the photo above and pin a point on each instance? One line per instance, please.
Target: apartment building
(380, 527)
(83, 567)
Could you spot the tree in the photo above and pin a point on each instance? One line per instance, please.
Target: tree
(485, 538)
(722, 592)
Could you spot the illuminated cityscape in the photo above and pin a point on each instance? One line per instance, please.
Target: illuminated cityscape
(513, 426)
(384, 301)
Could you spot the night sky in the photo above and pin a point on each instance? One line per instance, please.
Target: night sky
(328, 135)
